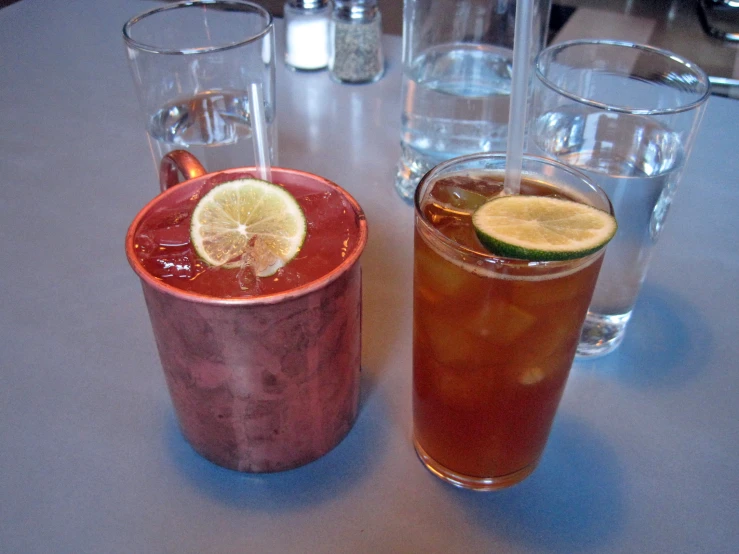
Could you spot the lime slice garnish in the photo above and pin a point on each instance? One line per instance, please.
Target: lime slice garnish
(248, 221)
(542, 228)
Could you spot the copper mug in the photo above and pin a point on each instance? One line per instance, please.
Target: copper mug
(264, 383)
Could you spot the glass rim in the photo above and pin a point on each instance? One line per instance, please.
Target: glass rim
(503, 260)
(700, 75)
(153, 49)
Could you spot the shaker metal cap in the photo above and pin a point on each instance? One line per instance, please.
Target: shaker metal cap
(308, 4)
(355, 9)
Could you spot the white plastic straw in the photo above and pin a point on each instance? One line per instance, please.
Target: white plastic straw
(522, 43)
(259, 132)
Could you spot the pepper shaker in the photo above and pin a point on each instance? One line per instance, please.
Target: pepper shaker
(306, 34)
(355, 42)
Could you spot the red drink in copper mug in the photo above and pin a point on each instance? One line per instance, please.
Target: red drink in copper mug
(263, 379)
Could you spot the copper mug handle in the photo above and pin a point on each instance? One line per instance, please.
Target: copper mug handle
(175, 163)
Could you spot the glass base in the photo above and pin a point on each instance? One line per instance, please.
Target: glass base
(601, 334)
(406, 181)
(469, 482)
(412, 166)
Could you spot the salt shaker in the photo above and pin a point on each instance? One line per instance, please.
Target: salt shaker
(355, 42)
(306, 34)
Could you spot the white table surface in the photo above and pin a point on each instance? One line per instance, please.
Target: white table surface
(644, 453)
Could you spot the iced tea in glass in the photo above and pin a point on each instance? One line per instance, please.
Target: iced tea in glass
(493, 337)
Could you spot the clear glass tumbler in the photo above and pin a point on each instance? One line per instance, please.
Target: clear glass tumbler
(457, 62)
(626, 115)
(199, 69)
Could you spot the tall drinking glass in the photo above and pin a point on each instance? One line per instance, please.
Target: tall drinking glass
(626, 115)
(198, 68)
(493, 337)
(457, 62)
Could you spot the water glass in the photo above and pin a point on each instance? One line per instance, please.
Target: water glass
(202, 70)
(457, 61)
(626, 115)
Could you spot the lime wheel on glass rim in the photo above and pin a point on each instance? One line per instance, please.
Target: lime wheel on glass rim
(542, 228)
(248, 220)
